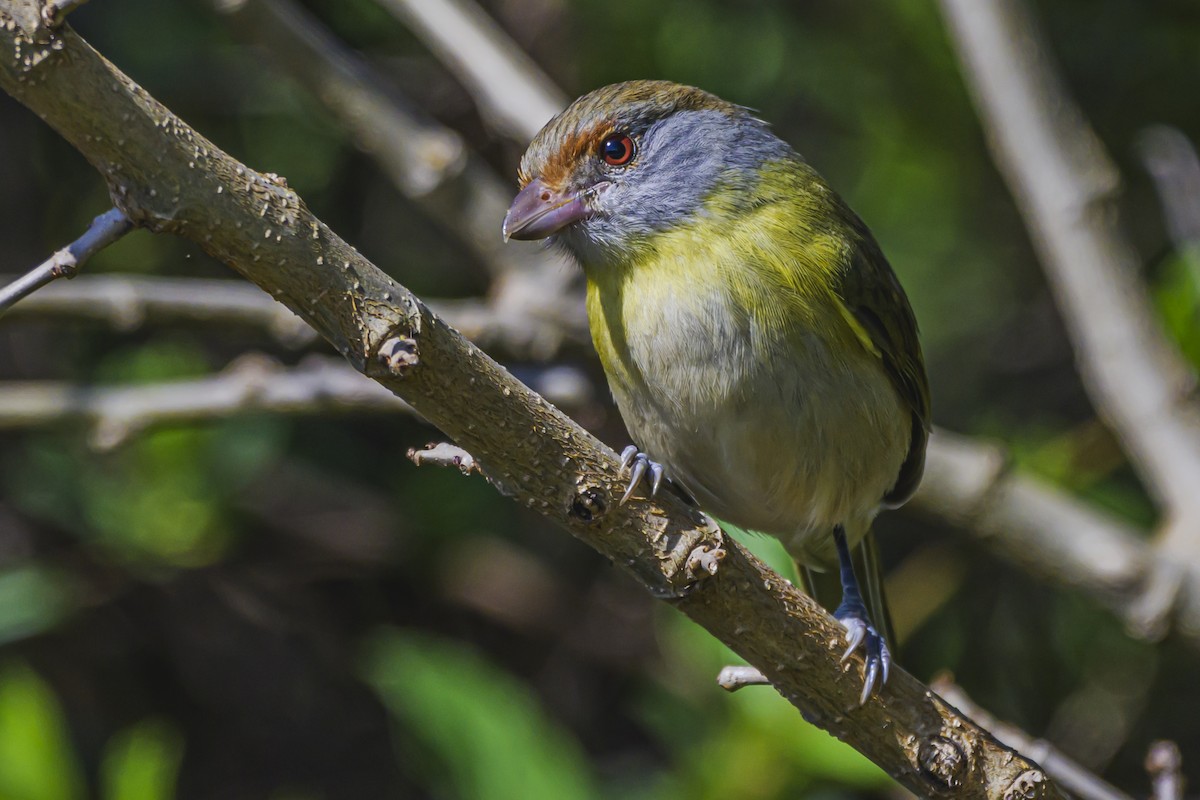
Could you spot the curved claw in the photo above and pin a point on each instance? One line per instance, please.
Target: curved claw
(877, 657)
(856, 631)
(639, 466)
(656, 477)
(635, 477)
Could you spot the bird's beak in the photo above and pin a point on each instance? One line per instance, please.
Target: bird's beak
(538, 211)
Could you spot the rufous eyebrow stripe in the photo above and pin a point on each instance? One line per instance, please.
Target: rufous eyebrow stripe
(562, 163)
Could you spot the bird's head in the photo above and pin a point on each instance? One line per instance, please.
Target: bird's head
(632, 159)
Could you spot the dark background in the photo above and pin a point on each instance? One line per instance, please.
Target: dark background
(283, 606)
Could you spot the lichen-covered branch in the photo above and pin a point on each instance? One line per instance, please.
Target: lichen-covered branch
(168, 178)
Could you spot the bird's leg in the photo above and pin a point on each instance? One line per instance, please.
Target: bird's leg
(852, 613)
(640, 467)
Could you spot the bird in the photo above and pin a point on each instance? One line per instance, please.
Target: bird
(758, 345)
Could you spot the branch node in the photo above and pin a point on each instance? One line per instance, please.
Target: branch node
(943, 763)
(54, 12)
(739, 676)
(399, 354)
(1165, 765)
(703, 562)
(1029, 785)
(589, 504)
(444, 454)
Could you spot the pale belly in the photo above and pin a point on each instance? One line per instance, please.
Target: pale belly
(780, 434)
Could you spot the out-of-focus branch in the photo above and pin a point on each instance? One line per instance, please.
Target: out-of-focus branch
(1072, 776)
(426, 161)
(104, 230)
(1049, 534)
(1165, 765)
(512, 92)
(128, 301)
(1065, 184)
(166, 177)
(1172, 162)
(253, 384)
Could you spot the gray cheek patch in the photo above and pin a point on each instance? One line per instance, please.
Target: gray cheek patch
(682, 159)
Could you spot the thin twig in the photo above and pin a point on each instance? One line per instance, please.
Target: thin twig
(1165, 766)
(126, 302)
(525, 447)
(1065, 185)
(252, 384)
(54, 12)
(1073, 777)
(512, 92)
(104, 230)
(444, 454)
(739, 676)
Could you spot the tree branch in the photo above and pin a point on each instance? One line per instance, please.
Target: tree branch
(1165, 765)
(126, 302)
(426, 161)
(1050, 534)
(1074, 777)
(166, 177)
(104, 230)
(512, 92)
(1065, 185)
(251, 384)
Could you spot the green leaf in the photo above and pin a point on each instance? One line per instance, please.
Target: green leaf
(37, 761)
(142, 762)
(32, 599)
(488, 736)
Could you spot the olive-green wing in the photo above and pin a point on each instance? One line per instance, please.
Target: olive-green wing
(873, 297)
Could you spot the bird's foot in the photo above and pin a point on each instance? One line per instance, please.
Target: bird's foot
(861, 633)
(641, 468)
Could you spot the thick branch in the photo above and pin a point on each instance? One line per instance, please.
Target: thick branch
(104, 230)
(1065, 184)
(170, 179)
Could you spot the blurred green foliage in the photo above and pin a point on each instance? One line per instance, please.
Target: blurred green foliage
(36, 757)
(487, 733)
(286, 608)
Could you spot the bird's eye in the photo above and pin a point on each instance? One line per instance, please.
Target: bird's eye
(617, 150)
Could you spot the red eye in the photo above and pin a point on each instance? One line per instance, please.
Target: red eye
(617, 150)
